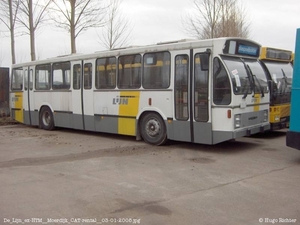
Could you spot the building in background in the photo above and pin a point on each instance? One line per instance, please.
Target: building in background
(4, 92)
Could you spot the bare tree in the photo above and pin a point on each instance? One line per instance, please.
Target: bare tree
(217, 18)
(233, 22)
(32, 15)
(8, 16)
(76, 16)
(116, 31)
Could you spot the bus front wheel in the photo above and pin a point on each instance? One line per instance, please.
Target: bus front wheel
(46, 119)
(153, 129)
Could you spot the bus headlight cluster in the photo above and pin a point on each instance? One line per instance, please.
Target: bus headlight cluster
(237, 121)
(266, 116)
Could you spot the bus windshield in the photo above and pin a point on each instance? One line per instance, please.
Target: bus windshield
(247, 76)
(258, 73)
(280, 71)
(281, 74)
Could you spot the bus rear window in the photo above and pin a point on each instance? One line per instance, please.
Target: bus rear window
(17, 79)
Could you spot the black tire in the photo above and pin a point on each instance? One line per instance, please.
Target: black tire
(153, 129)
(46, 119)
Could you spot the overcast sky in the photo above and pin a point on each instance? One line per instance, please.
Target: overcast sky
(273, 23)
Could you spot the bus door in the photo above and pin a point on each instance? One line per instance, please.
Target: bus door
(191, 104)
(182, 97)
(201, 126)
(88, 94)
(77, 106)
(28, 103)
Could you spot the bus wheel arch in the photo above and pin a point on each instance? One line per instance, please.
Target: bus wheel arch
(152, 128)
(46, 118)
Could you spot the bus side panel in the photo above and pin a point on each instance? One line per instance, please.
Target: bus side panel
(59, 102)
(293, 139)
(293, 135)
(106, 123)
(63, 119)
(203, 133)
(35, 120)
(106, 111)
(179, 130)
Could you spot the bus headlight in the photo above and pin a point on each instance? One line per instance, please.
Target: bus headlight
(266, 116)
(237, 121)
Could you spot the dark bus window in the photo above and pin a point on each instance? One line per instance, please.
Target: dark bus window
(129, 75)
(221, 84)
(30, 80)
(106, 69)
(61, 76)
(88, 71)
(17, 79)
(76, 76)
(42, 77)
(156, 70)
(181, 87)
(200, 90)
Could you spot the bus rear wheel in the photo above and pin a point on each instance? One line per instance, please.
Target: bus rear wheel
(46, 119)
(153, 129)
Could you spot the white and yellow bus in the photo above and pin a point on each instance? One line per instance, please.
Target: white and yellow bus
(279, 70)
(206, 91)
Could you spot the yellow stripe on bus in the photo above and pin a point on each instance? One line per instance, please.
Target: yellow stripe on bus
(128, 109)
(18, 100)
(257, 101)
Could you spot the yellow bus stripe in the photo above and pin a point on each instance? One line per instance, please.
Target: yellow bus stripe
(128, 109)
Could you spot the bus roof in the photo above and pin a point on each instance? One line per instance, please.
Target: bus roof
(161, 46)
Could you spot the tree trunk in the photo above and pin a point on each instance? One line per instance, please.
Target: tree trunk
(12, 33)
(31, 30)
(72, 27)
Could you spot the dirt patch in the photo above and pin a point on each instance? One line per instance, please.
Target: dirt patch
(7, 121)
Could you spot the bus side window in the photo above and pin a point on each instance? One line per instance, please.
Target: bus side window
(181, 87)
(26, 80)
(31, 79)
(61, 75)
(106, 73)
(129, 73)
(76, 76)
(201, 88)
(88, 70)
(42, 77)
(221, 84)
(157, 70)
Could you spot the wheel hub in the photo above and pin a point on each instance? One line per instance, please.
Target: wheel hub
(153, 127)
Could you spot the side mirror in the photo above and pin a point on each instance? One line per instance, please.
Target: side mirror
(204, 60)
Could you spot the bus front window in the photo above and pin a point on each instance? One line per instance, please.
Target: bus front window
(247, 76)
(240, 79)
(221, 84)
(281, 74)
(259, 76)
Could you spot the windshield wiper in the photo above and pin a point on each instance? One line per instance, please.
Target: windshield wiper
(285, 77)
(250, 78)
(260, 87)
